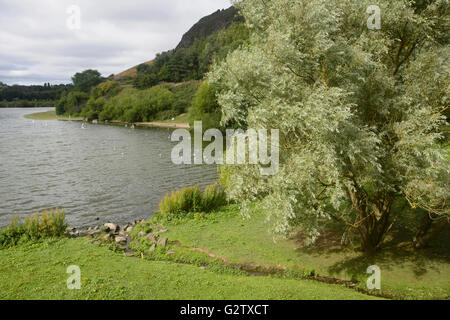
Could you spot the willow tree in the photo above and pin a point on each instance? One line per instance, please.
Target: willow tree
(359, 111)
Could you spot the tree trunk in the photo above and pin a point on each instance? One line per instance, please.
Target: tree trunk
(430, 228)
(372, 218)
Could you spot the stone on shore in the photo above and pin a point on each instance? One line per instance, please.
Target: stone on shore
(152, 237)
(120, 239)
(94, 231)
(162, 242)
(122, 233)
(128, 229)
(110, 227)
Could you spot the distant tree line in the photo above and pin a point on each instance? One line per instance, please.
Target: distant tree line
(28, 104)
(33, 92)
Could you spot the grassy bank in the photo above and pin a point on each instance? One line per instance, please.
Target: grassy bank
(405, 273)
(39, 272)
(50, 115)
(219, 256)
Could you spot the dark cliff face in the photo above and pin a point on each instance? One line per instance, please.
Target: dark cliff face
(207, 25)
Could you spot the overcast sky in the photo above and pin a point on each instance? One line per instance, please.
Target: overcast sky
(37, 45)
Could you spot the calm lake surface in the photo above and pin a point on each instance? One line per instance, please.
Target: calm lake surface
(112, 173)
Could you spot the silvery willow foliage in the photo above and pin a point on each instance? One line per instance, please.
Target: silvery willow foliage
(359, 111)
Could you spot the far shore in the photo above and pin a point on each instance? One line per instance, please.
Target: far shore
(51, 115)
(178, 125)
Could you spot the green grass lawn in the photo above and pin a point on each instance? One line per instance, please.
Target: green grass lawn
(50, 115)
(405, 273)
(223, 241)
(39, 272)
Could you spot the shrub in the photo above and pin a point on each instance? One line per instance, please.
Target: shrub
(93, 108)
(12, 233)
(132, 105)
(181, 201)
(205, 106)
(106, 89)
(36, 227)
(213, 197)
(166, 114)
(169, 204)
(59, 106)
(191, 199)
(72, 103)
(184, 95)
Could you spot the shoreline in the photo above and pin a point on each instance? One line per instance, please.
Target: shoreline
(165, 125)
(51, 115)
(178, 125)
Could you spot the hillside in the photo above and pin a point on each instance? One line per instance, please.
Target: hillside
(206, 26)
(164, 88)
(132, 72)
(219, 20)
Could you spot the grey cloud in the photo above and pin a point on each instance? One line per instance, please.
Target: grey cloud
(37, 47)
